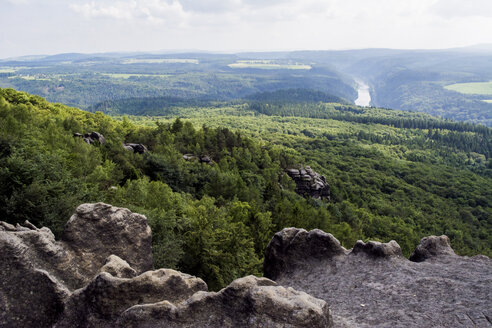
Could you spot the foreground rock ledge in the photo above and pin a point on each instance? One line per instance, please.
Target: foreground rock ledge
(373, 285)
(98, 275)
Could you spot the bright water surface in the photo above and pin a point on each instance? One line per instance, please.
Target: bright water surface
(364, 98)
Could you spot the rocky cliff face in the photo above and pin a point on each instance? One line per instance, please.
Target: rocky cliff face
(309, 183)
(100, 275)
(373, 285)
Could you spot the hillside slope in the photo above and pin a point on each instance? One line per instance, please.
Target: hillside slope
(387, 181)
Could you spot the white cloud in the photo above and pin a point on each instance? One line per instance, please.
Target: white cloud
(463, 8)
(47, 26)
(154, 11)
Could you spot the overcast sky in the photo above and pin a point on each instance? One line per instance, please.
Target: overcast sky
(29, 27)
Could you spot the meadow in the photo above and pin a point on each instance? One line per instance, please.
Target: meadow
(477, 88)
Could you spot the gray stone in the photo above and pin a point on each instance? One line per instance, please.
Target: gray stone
(91, 137)
(374, 286)
(136, 148)
(118, 267)
(377, 249)
(102, 301)
(430, 247)
(291, 247)
(99, 230)
(29, 296)
(309, 183)
(246, 302)
(88, 279)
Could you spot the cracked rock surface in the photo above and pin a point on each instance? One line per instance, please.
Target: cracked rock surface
(373, 285)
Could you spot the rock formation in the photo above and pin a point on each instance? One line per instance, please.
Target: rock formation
(91, 137)
(309, 183)
(202, 159)
(136, 148)
(373, 285)
(97, 275)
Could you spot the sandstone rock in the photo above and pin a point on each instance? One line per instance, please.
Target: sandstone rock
(430, 247)
(96, 231)
(377, 249)
(246, 302)
(374, 286)
(91, 137)
(29, 296)
(117, 267)
(102, 301)
(309, 183)
(88, 279)
(291, 247)
(205, 159)
(202, 159)
(189, 157)
(136, 148)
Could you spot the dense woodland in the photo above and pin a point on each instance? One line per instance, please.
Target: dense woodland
(393, 175)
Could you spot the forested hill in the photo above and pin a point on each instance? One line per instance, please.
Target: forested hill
(214, 220)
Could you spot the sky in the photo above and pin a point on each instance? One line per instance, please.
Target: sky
(34, 27)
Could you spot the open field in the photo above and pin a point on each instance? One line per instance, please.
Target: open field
(161, 61)
(478, 88)
(127, 76)
(267, 64)
(7, 70)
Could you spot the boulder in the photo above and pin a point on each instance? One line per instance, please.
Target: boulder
(202, 159)
(136, 148)
(246, 302)
(373, 285)
(99, 230)
(291, 247)
(118, 267)
(376, 249)
(189, 157)
(91, 137)
(432, 246)
(309, 183)
(106, 297)
(29, 296)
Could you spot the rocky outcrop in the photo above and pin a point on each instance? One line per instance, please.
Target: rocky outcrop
(246, 302)
(432, 246)
(106, 297)
(309, 183)
(91, 137)
(202, 159)
(97, 231)
(136, 148)
(373, 285)
(97, 275)
(292, 247)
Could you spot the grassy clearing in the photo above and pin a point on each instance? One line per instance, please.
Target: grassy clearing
(478, 88)
(127, 76)
(160, 61)
(488, 101)
(7, 70)
(267, 64)
(30, 77)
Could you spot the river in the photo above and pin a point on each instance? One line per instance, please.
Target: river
(364, 98)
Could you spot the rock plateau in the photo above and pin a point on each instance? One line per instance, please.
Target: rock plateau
(373, 285)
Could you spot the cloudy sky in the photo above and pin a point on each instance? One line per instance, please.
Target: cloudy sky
(29, 27)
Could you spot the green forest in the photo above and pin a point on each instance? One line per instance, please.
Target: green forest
(393, 175)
